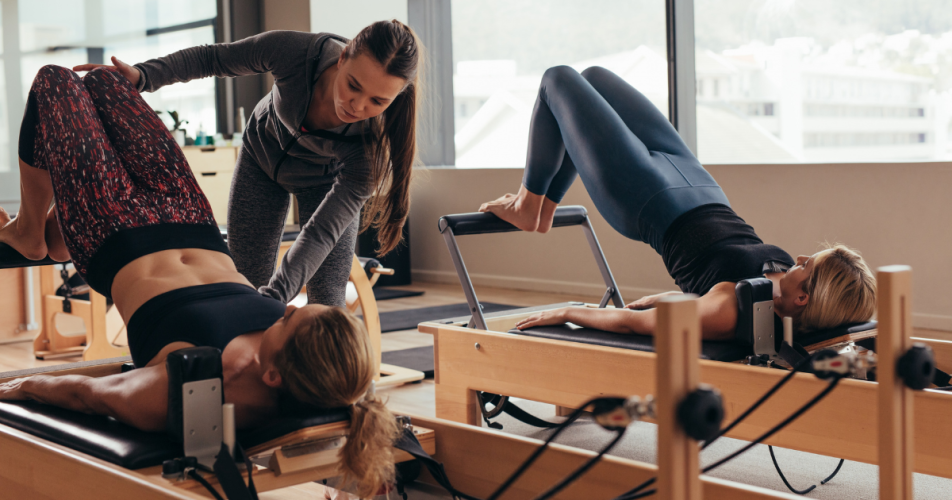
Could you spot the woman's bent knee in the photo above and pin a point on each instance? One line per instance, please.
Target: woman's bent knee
(55, 74)
(558, 75)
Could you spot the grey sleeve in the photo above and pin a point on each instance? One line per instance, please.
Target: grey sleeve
(270, 51)
(352, 187)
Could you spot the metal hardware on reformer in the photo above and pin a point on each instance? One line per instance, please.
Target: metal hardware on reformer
(632, 410)
(764, 329)
(478, 346)
(314, 446)
(202, 416)
(405, 421)
(67, 305)
(847, 362)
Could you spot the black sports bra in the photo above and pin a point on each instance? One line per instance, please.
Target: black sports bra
(205, 315)
(711, 244)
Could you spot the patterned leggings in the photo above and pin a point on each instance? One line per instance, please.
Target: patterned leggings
(113, 163)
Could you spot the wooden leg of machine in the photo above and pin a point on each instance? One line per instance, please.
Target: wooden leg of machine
(50, 342)
(896, 437)
(98, 345)
(387, 375)
(678, 344)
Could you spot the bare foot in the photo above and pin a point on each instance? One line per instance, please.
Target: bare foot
(28, 241)
(547, 215)
(520, 210)
(54, 239)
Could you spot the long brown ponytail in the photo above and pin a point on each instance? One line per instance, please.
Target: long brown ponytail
(392, 142)
(328, 362)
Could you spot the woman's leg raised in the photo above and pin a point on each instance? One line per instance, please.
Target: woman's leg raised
(167, 189)
(571, 118)
(69, 142)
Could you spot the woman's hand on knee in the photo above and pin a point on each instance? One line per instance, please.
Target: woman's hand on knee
(544, 318)
(130, 72)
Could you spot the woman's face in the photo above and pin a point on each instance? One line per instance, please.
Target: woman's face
(363, 89)
(277, 335)
(792, 296)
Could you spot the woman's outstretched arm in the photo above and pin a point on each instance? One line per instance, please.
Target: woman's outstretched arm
(138, 398)
(717, 309)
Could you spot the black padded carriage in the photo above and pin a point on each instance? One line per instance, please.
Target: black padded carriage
(710, 349)
(117, 443)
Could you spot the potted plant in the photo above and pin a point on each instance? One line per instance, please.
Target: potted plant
(177, 131)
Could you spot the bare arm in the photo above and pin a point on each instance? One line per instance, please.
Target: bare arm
(649, 301)
(717, 309)
(138, 398)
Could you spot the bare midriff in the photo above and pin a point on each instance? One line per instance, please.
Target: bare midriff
(157, 273)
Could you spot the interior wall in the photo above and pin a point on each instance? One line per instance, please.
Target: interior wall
(894, 213)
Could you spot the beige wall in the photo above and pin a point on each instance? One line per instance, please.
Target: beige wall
(894, 213)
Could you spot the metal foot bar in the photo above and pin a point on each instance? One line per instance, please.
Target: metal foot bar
(487, 223)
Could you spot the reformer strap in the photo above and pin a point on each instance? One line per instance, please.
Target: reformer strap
(513, 411)
(942, 379)
(409, 443)
(229, 477)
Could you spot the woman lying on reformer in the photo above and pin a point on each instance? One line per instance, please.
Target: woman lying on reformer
(139, 229)
(649, 186)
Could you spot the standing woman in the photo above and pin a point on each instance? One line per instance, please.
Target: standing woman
(338, 126)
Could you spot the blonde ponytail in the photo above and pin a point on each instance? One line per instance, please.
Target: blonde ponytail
(328, 362)
(367, 456)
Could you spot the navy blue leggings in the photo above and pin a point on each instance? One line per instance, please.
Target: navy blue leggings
(637, 170)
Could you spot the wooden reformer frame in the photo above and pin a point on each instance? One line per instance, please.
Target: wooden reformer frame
(566, 374)
(476, 459)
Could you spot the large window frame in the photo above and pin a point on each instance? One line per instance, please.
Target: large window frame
(432, 21)
(11, 56)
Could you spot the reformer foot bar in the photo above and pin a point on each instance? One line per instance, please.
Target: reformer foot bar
(566, 372)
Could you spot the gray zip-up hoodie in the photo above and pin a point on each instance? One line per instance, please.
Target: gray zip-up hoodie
(337, 156)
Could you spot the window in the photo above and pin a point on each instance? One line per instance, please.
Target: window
(71, 32)
(501, 48)
(814, 80)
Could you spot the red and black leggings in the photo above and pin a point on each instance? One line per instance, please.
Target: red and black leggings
(121, 184)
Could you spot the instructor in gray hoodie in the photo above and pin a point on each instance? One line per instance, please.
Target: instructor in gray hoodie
(337, 128)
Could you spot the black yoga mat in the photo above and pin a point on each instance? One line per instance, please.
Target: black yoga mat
(408, 319)
(384, 293)
(416, 358)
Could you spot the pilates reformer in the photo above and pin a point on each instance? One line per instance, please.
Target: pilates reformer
(103, 324)
(562, 365)
(96, 457)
